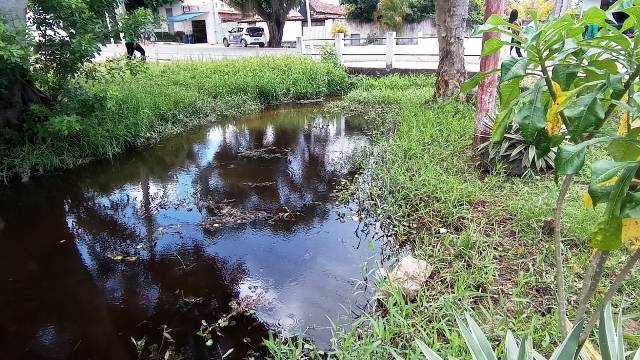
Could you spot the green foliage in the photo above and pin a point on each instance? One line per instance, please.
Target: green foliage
(125, 104)
(584, 88)
(391, 14)
(138, 22)
(68, 33)
(587, 86)
(329, 55)
(14, 55)
(415, 10)
(420, 10)
(361, 9)
(520, 157)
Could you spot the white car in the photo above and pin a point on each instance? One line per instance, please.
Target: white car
(251, 35)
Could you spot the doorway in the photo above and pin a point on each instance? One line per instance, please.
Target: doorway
(199, 31)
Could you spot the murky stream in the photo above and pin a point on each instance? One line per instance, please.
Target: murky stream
(157, 240)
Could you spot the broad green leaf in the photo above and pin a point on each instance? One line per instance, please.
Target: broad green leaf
(475, 80)
(594, 15)
(532, 116)
(511, 347)
(498, 20)
(567, 350)
(492, 45)
(608, 235)
(584, 113)
(634, 12)
(426, 351)
(508, 91)
(631, 205)
(570, 159)
(616, 83)
(564, 75)
(512, 68)
(484, 343)
(501, 124)
(604, 174)
(609, 66)
(624, 150)
(472, 342)
(607, 336)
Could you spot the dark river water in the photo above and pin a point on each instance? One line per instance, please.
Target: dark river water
(237, 221)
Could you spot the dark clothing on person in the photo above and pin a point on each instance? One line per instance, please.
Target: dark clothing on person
(132, 47)
(513, 19)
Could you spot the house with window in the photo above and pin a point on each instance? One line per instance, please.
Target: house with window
(206, 21)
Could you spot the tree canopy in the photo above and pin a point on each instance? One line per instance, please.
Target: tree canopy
(416, 10)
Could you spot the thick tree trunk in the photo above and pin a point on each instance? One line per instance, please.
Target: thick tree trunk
(487, 89)
(276, 27)
(560, 7)
(451, 19)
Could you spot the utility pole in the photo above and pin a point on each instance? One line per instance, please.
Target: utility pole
(487, 89)
(308, 15)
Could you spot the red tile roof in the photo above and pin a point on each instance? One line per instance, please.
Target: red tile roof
(324, 8)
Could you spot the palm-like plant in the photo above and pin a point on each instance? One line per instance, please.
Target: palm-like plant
(391, 14)
(610, 341)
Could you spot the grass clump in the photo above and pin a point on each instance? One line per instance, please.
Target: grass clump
(121, 104)
(482, 233)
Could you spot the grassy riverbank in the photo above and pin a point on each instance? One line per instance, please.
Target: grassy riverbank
(482, 234)
(119, 105)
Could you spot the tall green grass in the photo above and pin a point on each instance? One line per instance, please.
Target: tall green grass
(118, 110)
(482, 233)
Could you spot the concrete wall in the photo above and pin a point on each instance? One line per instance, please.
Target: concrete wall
(427, 27)
(16, 10)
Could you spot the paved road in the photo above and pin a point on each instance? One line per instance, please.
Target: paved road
(423, 56)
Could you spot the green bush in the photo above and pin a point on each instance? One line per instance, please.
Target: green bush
(129, 105)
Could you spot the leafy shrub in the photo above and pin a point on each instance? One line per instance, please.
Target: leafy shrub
(584, 87)
(339, 27)
(329, 55)
(518, 156)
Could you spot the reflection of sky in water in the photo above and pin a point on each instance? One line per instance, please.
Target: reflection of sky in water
(305, 269)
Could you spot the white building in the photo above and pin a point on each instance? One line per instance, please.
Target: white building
(206, 21)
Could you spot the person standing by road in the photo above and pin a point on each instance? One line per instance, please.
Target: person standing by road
(134, 24)
(132, 43)
(513, 19)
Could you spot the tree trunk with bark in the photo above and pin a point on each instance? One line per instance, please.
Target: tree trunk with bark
(276, 30)
(451, 20)
(560, 7)
(487, 89)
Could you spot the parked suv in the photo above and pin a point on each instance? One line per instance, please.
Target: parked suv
(252, 35)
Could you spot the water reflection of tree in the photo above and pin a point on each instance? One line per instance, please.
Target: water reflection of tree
(300, 180)
(78, 290)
